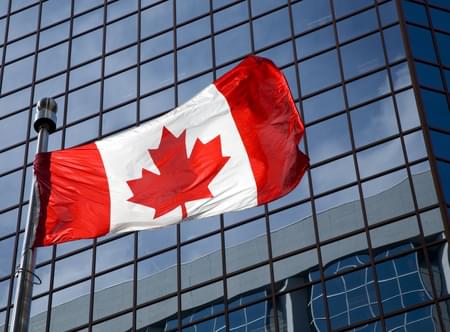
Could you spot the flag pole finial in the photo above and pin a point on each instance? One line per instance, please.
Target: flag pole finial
(46, 114)
(44, 124)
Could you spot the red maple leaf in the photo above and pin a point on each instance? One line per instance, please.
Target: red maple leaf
(181, 179)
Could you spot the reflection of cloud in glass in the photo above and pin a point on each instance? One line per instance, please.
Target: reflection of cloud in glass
(380, 158)
(374, 121)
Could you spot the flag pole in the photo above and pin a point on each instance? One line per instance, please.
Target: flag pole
(44, 124)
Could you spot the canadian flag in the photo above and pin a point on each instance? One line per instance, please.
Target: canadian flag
(231, 147)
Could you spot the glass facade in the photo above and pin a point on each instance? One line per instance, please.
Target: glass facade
(360, 245)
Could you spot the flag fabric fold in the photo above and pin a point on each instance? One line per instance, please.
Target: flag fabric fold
(232, 146)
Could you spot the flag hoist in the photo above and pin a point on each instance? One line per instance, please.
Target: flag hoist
(44, 124)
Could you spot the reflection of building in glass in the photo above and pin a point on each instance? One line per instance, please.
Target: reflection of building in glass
(352, 296)
(360, 245)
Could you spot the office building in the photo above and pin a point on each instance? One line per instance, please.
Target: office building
(360, 245)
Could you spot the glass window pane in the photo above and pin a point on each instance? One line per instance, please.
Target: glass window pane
(17, 74)
(329, 138)
(157, 73)
(362, 56)
(23, 22)
(388, 13)
(407, 108)
(400, 76)
(280, 55)
(121, 33)
(240, 240)
(309, 14)
(52, 61)
(415, 13)
(233, 15)
(85, 74)
(291, 229)
(436, 109)
(86, 47)
(319, 72)
(121, 323)
(324, 177)
(333, 256)
(258, 6)
(441, 144)
(158, 316)
(394, 43)
(380, 158)
(190, 9)
(326, 103)
(120, 88)
(83, 102)
(201, 261)
(193, 228)
(82, 132)
(19, 120)
(87, 21)
(121, 8)
(189, 89)
(155, 46)
(421, 43)
(120, 60)
(54, 11)
(4, 290)
(6, 248)
(161, 269)
(374, 122)
(238, 37)
(15, 101)
(271, 28)
(113, 292)
(357, 25)
(157, 103)
(114, 253)
(73, 268)
(415, 146)
(119, 118)
(395, 232)
(367, 88)
(429, 75)
(344, 7)
(64, 300)
(244, 282)
(425, 194)
(157, 18)
(441, 19)
(444, 48)
(193, 31)
(442, 3)
(194, 59)
(339, 213)
(387, 197)
(11, 159)
(20, 47)
(315, 42)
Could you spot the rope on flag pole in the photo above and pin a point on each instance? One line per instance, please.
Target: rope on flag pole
(44, 124)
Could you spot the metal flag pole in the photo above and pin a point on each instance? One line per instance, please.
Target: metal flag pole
(44, 124)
